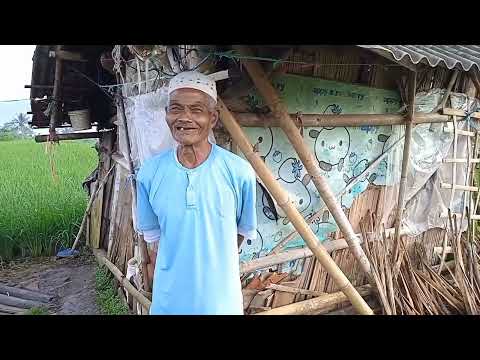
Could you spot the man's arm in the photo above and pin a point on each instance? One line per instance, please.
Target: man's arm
(152, 257)
(147, 224)
(246, 210)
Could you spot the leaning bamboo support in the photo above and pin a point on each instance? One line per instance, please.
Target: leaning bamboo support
(101, 257)
(95, 191)
(442, 103)
(405, 161)
(314, 305)
(292, 213)
(279, 110)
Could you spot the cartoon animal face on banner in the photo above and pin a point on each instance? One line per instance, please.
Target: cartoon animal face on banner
(331, 147)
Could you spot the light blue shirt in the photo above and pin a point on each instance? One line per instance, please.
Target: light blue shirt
(198, 213)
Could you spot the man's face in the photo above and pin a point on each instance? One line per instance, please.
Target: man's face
(190, 116)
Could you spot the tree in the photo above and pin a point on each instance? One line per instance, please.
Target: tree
(18, 126)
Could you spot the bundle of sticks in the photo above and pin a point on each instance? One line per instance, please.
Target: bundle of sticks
(411, 285)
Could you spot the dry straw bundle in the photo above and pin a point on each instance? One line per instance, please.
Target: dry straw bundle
(411, 285)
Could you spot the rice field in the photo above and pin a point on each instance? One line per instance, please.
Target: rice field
(41, 196)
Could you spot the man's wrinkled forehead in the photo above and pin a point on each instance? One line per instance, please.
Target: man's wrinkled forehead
(186, 96)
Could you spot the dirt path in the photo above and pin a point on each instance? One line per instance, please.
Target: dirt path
(71, 281)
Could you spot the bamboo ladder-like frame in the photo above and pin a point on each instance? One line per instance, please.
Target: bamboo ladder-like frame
(468, 187)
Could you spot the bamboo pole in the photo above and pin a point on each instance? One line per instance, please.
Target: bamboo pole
(292, 213)
(295, 254)
(247, 119)
(315, 304)
(95, 192)
(102, 260)
(280, 111)
(405, 161)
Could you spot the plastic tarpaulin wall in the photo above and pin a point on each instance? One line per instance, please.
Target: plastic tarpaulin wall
(431, 143)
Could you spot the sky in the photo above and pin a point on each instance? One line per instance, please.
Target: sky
(15, 73)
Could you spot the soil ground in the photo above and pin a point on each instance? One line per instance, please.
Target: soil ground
(70, 280)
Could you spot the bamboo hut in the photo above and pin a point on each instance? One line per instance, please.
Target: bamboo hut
(352, 145)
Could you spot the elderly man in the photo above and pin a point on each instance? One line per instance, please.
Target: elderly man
(198, 202)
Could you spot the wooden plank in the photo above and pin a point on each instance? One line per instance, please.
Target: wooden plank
(107, 143)
(69, 136)
(294, 290)
(18, 302)
(96, 216)
(10, 310)
(463, 161)
(95, 220)
(68, 55)
(460, 132)
(24, 293)
(459, 187)
(284, 298)
(451, 112)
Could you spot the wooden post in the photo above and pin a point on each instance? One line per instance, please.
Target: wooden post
(280, 111)
(57, 94)
(292, 213)
(406, 156)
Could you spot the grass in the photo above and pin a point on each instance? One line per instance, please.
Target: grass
(37, 311)
(39, 214)
(107, 297)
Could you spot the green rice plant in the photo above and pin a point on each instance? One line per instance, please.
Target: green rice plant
(38, 215)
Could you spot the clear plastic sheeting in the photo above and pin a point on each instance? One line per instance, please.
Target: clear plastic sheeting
(426, 201)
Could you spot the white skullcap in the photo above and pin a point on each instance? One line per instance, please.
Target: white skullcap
(193, 80)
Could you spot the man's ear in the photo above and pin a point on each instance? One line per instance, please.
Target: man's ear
(216, 116)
